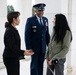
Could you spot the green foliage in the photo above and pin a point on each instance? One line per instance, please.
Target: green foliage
(10, 8)
(33, 12)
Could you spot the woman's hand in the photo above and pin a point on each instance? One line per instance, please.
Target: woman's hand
(28, 52)
(49, 62)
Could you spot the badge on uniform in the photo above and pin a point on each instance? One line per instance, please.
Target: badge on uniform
(34, 30)
(46, 23)
(34, 26)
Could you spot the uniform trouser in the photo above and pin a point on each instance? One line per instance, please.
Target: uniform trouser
(12, 66)
(37, 64)
(58, 68)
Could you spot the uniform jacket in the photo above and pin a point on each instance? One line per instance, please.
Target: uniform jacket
(58, 50)
(12, 43)
(36, 35)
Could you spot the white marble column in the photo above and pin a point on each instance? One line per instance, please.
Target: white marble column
(67, 10)
(26, 11)
(3, 12)
(69, 56)
(73, 27)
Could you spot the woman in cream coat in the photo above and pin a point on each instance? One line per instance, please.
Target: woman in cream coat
(59, 45)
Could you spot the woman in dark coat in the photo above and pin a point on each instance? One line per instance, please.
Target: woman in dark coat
(12, 51)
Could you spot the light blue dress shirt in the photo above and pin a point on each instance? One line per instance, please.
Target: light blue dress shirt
(38, 18)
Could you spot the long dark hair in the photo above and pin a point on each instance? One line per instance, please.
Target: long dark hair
(10, 17)
(61, 26)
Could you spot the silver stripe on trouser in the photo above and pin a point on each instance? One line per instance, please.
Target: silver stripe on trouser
(50, 69)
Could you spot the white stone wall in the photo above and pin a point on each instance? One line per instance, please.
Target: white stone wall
(73, 57)
(3, 12)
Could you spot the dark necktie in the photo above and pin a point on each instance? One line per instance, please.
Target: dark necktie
(40, 22)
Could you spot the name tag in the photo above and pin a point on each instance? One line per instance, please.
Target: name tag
(34, 26)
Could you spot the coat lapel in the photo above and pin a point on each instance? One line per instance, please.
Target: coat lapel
(36, 20)
(43, 21)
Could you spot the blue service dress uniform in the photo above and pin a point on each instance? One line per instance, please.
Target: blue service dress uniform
(36, 38)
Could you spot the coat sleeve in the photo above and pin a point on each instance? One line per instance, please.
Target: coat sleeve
(65, 47)
(47, 34)
(47, 53)
(11, 43)
(28, 34)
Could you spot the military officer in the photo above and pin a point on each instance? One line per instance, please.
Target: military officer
(37, 38)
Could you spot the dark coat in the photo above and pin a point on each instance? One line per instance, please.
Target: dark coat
(12, 43)
(36, 35)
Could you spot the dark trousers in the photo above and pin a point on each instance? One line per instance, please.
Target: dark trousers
(37, 61)
(58, 68)
(12, 66)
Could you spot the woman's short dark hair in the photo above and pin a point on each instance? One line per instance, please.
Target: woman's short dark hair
(10, 17)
